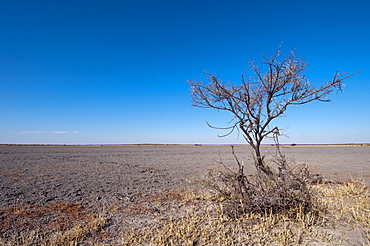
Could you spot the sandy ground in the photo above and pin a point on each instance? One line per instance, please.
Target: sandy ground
(106, 176)
(97, 175)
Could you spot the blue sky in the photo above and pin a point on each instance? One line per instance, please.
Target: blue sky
(100, 72)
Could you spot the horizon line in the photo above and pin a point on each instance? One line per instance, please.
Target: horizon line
(185, 144)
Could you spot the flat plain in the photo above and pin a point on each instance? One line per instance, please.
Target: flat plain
(104, 177)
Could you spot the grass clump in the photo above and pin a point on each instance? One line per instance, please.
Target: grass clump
(53, 224)
(339, 215)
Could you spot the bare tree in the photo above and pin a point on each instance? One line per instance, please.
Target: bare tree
(263, 97)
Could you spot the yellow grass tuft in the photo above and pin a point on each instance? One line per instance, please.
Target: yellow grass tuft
(340, 216)
(67, 224)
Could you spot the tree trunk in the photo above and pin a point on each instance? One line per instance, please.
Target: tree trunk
(260, 165)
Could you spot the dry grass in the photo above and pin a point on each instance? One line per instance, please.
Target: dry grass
(340, 216)
(52, 224)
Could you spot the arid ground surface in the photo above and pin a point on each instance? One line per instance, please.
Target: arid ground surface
(97, 175)
(106, 176)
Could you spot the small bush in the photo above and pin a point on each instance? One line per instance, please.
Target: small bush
(284, 186)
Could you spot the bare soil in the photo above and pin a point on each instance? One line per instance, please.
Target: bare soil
(125, 178)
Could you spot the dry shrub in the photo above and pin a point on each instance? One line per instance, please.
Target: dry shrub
(284, 186)
(209, 223)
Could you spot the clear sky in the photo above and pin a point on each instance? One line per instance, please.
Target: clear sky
(110, 72)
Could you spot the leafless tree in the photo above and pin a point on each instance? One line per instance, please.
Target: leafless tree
(259, 99)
